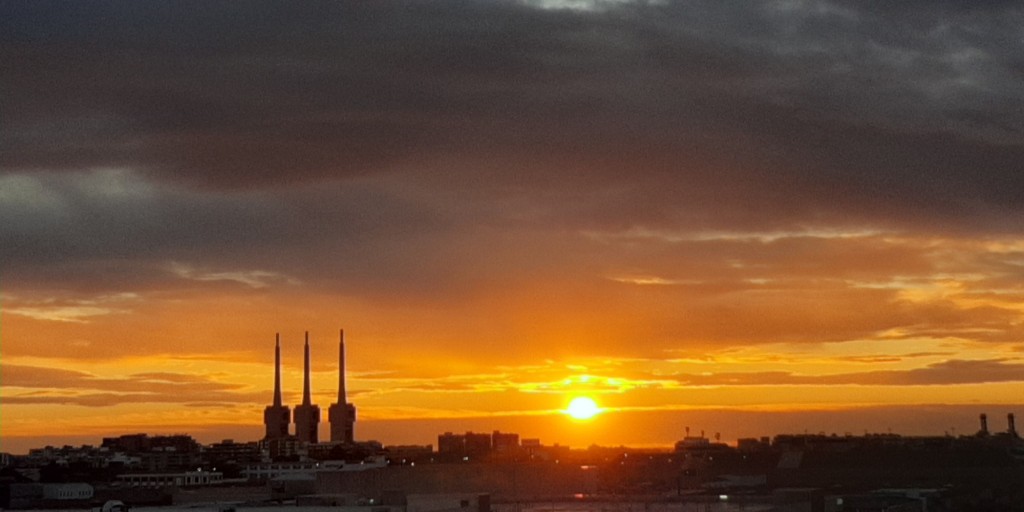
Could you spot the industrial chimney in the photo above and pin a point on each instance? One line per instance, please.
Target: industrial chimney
(1012, 430)
(342, 414)
(984, 425)
(276, 417)
(307, 415)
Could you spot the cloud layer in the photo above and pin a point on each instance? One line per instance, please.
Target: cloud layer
(483, 184)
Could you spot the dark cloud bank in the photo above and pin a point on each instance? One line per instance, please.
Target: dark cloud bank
(908, 110)
(431, 147)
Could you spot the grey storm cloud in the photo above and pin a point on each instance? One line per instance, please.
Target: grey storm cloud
(119, 228)
(901, 114)
(376, 145)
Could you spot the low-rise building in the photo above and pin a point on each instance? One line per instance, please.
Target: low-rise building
(183, 479)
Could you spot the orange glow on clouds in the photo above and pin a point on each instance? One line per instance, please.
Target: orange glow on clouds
(811, 344)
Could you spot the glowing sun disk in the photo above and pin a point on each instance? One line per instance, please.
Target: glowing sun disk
(582, 408)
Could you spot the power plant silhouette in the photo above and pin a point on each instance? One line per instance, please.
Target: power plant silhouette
(342, 415)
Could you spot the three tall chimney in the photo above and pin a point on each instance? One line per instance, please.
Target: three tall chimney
(276, 417)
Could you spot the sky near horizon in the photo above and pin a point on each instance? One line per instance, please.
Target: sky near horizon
(804, 214)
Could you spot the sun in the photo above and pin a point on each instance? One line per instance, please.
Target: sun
(582, 408)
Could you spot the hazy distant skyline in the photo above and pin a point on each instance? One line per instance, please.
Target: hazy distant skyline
(681, 209)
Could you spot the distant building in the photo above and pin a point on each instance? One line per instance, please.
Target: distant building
(308, 469)
(478, 444)
(48, 496)
(228, 451)
(264, 472)
(406, 454)
(183, 479)
(451, 445)
(68, 491)
(504, 443)
(468, 502)
(165, 460)
(131, 443)
(753, 444)
(531, 447)
(692, 443)
(284, 448)
(140, 443)
(155, 453)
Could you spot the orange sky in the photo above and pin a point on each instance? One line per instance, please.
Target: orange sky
(745, 220)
